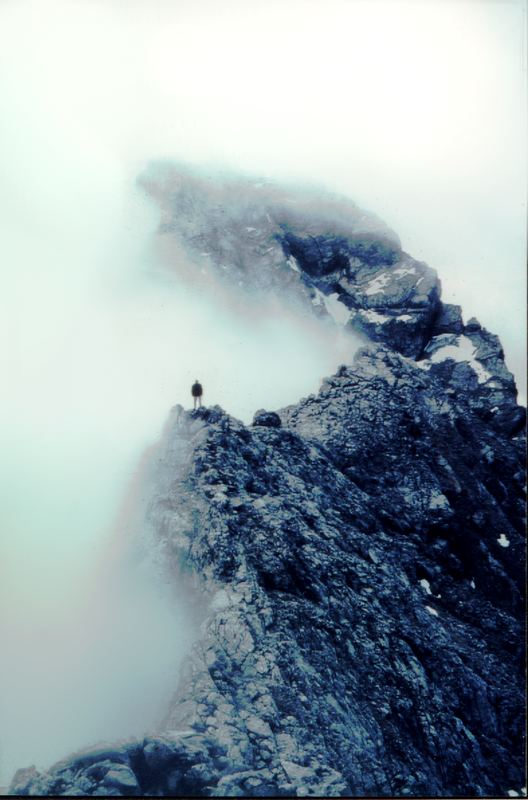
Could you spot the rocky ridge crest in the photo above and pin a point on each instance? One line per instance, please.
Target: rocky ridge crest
(354, 561)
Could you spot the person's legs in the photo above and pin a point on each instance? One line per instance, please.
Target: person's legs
(195, 399)
(200, 401)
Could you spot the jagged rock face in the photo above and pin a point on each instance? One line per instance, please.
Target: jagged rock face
(471, 361)
(432, 468)
(357, 577)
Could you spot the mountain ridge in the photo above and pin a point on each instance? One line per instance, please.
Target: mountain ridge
(353, 562)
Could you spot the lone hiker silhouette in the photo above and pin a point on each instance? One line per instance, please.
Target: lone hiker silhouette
(197, 392)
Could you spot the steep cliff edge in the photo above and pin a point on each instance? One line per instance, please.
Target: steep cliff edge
(353, 563)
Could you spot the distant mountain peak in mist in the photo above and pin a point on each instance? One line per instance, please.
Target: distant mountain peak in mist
(353, 563)
(334, 260)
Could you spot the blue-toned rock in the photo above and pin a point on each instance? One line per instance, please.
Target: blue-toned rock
(355, 561)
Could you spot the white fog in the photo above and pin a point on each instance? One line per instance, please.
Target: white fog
(414, 110)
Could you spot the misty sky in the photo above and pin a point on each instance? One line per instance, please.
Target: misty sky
(416, 110)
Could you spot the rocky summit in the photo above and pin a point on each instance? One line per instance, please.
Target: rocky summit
(354, 563)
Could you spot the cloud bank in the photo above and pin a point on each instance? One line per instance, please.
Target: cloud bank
(415, 110)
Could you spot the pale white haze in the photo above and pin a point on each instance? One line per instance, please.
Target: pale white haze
(413, 109)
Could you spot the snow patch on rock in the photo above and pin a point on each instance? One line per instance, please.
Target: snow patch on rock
(463, 351)
(373, 316)
(439, 501)
(292, 263)
(377, 284)
(337, 310)
(401, 271)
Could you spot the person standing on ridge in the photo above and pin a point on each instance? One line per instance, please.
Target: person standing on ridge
(197, 392)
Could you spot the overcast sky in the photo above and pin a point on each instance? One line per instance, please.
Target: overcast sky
(416, 110)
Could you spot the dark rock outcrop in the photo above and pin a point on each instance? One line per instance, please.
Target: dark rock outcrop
(320, 248)
(267, 419)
